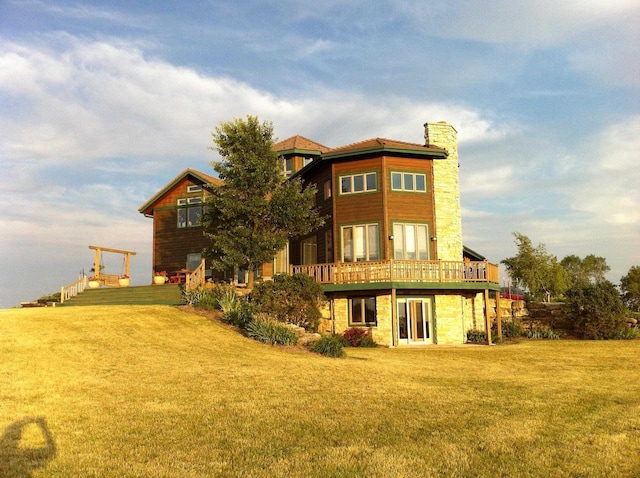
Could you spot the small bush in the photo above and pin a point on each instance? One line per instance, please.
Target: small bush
(512, 329)
(293, 299)
(241, 314)
(195, 296)
(355, 335)
(227, 299)
(476, 336)
(329, 346)
(269, 331)
(542, 333)
(368, 342)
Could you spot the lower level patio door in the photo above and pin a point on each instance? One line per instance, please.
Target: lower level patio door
(414, 320)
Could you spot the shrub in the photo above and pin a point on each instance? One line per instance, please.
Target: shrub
(329, 346)
(512, 329)
(367, 341)
(537, 332)
(226, 298)
(355, 335)
(195, 296)
(293, 299)
(476, 336)
(596, 311)
(240, 314)
(269, 331)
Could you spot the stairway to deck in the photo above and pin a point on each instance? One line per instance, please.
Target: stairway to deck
(167, 294)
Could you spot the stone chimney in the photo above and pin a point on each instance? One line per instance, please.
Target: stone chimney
(446, 191)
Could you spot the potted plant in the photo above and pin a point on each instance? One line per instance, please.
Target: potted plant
(159, 277)
(124, 280)
(94, 283)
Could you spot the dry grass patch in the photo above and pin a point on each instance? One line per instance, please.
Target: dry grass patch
(155, 391)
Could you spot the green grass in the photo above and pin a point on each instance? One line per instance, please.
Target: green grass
(154, 391)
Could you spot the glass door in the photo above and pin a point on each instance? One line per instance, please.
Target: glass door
(414, 320)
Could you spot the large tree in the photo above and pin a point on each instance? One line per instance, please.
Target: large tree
(536, 270)
(630, 286)
(591, 269)
(254, 213)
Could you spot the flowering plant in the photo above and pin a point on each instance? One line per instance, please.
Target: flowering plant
(93, 278)
(124, 276)
(160, 273)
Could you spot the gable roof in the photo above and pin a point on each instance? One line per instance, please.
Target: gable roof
(205, 179)
(299, 144)
(385, 145)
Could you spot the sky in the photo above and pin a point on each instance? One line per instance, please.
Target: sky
(103, 103)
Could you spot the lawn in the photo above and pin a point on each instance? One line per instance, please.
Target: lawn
(158, 392)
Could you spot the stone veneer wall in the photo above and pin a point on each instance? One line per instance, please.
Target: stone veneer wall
(446, 191)
(449, 310)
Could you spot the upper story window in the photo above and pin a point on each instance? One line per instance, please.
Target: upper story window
(287, 166)
(411, 241)
(360, 242)
(412, 182)
(194, 188)
(327, 189)
(190, 214)
(306, 161)
(358, 183)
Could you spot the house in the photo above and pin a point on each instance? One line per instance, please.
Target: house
(390, 255)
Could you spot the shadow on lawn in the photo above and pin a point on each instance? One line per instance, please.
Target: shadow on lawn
(18, 460)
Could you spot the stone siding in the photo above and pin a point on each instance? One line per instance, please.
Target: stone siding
(446, 192)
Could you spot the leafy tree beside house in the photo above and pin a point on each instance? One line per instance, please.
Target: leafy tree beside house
(536, 270)
(630, 287)
(254, 213)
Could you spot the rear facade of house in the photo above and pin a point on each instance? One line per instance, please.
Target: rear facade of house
(390, 255)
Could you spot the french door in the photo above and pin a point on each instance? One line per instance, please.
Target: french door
(414, 320)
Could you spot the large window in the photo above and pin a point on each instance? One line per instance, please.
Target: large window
(287, 166)
(358, 183)
(360, 243)
(412, 182)
(411, 241)
(190, 214)
(362, 311)
(310, 251)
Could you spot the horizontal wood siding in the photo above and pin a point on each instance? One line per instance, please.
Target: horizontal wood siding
(360, 207)
(409, 206)
(171, 243)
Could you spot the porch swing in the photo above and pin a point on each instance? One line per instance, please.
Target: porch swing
(111, 280)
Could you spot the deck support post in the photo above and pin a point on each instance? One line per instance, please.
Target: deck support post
(487, 318)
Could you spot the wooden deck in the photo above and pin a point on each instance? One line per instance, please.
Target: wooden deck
(401, 271)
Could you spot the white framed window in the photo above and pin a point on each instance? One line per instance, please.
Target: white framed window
(306, 161)
(360, 242)
(194, 188)
(358, 183)
(181, 202)
(411, 241)
(194, 201)
(411, 182)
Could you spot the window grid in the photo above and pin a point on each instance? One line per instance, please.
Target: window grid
(408, 182)
(358, 183)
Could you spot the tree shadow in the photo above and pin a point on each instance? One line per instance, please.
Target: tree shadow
(19, 460)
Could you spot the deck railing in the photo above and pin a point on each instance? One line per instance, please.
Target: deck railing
(400, 270)
(73, 289)
(196, 278)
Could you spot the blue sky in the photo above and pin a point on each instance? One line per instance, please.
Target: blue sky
(102, 103)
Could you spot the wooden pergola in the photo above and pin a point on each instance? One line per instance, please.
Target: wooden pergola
(108, 279)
